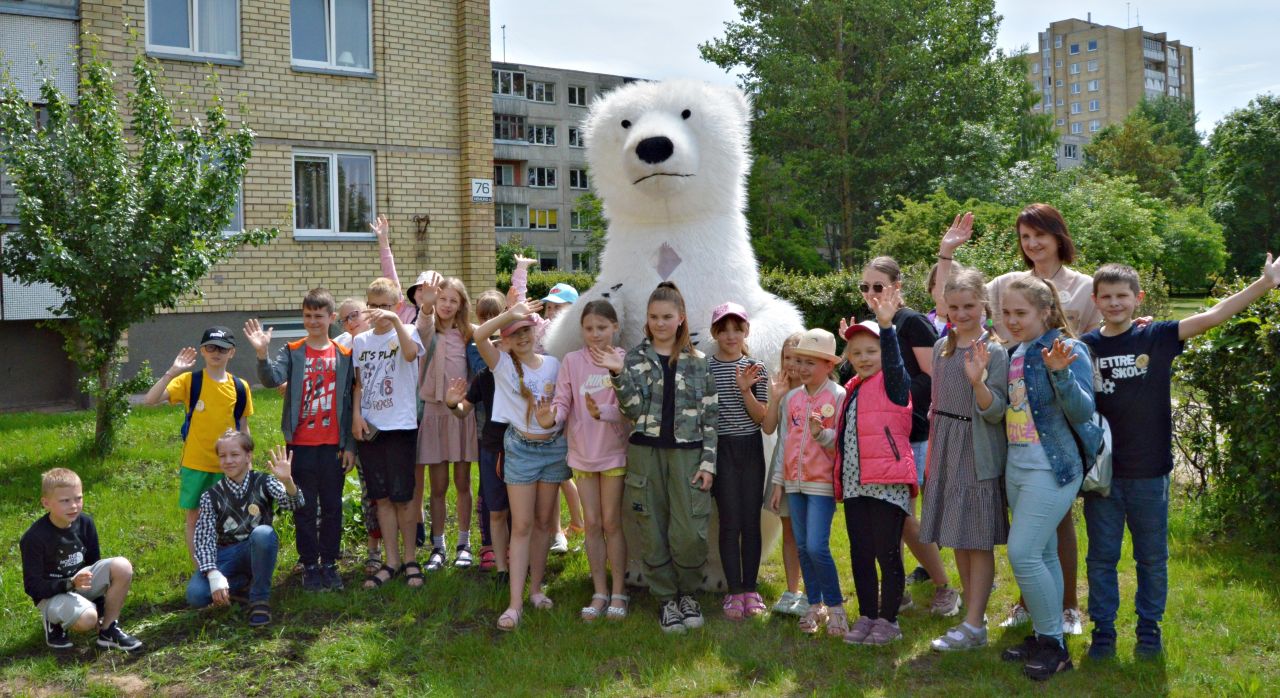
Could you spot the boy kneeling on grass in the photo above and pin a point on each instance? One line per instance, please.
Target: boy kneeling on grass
(63, 573)
(235, 544)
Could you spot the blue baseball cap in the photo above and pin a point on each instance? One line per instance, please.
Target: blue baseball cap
(562, 293)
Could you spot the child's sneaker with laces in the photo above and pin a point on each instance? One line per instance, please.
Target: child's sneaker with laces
(918, 576)
(1018, 615)
(883, 632)
(1149, 644)
(690, 611)
(785, 602)
(313, 578)
(332, 580)
(112, 637)
(670, 618)
(946, 602)
(1049, 658)
(55, 636)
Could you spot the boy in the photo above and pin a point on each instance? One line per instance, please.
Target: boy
(1133, 370)
(215, 401)
(385, 423)
(235, 544)
(63, 573)
(316, 421)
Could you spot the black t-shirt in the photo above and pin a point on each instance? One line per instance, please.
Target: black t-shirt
(1132, 380)
(481, 392)
(51, 556)
(667, 430)
(915, 330)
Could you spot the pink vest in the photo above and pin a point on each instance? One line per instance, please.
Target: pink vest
(884, 436)
(805, 460)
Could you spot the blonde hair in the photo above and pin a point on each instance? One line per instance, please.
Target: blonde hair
(490, 305)
(57, 477)
(668, 292)
(1042, 294)
(524, 389)
(382, 286)
(462, 319)
(965, 280)
(245, 441)
(352, 303)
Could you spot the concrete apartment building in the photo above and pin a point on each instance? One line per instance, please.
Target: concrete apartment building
(1092, 75)
(539, 164)
(391, 98)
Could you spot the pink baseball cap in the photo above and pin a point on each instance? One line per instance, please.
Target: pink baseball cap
(517, 326)
(725, 310)
(865, 326)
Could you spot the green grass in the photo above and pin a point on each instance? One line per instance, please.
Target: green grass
(1221, 627)
(1180, 308)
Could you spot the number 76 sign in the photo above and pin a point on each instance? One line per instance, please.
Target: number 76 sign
(482, 191)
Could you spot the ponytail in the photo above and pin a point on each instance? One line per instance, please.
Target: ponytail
(524, 389)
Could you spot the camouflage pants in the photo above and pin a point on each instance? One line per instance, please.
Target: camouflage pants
(671, 514)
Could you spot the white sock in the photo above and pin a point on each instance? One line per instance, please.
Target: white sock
(437, 541)
(464, 538)
(973, 628)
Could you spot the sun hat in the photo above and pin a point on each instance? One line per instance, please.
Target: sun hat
(817, 343)
(562, 293)
(408, 294)
(865, 326)
(218, 336)
(725, 310)
(517, 326)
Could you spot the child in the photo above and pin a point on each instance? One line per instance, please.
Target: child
(874, 475)
(666, 390)
(1050, 397)
(63, 571)
(743, 386)
(586, 407)
(964, 503)
(808, 416)
(316, 421)
(215, 401)
(385, 425)
(1134, 365)
(791, 602)
(445, 320)
(235, 544)
(533, 456)
(351, 316)
(489, 305)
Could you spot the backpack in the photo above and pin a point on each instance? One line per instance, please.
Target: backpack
(1097, 467)
(197, 379)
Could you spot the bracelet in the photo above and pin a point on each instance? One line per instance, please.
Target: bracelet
(946, 258)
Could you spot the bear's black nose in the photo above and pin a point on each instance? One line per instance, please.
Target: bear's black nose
(655, 150)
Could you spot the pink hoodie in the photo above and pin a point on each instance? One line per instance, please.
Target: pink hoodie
(594, 445)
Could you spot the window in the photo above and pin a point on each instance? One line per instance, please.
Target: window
(1095, 125)
(1095, 104)
(237, 219)
(548, 261)
(1075, 88)
(1060, 101)
(1062, 122)
(1069, 151)
(508, 127)
(1077, 127)
(1093, 44)
(577, 95)
(329, 183)
(1048, 82)
(1093, 66)
(542, 177)
(194, 27)
(575, 137)
(1057, 41)
(1095, 85)
(1075, 107)
(1035, 68)
(1075, 48)
(1057, 63)
(581, 261)
(543, 219)
(542, 134)
(332, 34)
(1075, 68)
(1059, 82)
(577, 179)
(577, 221)
(504, 175)
(536, 91)
(508, 82)
(511, 215)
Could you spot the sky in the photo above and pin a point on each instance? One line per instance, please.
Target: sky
(1233, 40)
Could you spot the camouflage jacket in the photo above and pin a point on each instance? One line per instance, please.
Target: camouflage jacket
(639, 389)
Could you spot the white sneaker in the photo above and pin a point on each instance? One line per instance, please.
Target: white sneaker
(785, 602)
(1072, 622)
(1017, 616)
(561, 544)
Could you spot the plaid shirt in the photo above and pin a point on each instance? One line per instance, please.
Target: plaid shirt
(206, 538)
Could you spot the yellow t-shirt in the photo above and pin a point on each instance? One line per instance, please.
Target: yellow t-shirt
(214, 414)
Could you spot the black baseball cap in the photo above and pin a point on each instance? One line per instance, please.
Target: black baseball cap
(219, 336)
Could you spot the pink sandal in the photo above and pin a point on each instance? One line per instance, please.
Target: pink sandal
(733, 609)
(753, 605)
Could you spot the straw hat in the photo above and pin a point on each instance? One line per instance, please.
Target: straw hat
(817, 343)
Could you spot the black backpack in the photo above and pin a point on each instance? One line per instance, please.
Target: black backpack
(242, 400)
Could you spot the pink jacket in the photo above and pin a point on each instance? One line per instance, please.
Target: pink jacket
(806, 464)
(405, 309)
(884, 436)
(594, 445)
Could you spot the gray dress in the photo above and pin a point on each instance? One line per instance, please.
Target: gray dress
(959, 510)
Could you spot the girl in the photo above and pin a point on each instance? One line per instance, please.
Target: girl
(916, 336)
(351, 315)
(964, 504)
(808, 414)
(1050, 397)
(533, 456)
(586, 406)
(791, 602)
(665, 389)
(874, 475)
(445, 325)
(743, 386)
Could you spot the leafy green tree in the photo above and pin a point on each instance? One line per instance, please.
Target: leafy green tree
(121, 228)
(784, 231)
(1244, 181)
(910, 233)
(507, 252)
(1194, 250)
(1133, 147)
(590, 210)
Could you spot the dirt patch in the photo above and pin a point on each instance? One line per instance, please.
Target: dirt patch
(125, 684)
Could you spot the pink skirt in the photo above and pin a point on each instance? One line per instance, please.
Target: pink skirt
(443, 438)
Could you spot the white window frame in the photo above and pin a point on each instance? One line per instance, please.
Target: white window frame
(1059, 82)
(536, 134)
(1077, 127)
(1073, 50)
(531, 88)
(1075, 69)
(331, 42)
(1035, 68)
(517, 218)
(539, 173)
(1092, 65)
(552, 256)
(577, 90)
(1061, 101)
(1057, 63)
(575, 221)
(1057, 41)
(1092, 45)
(533, 225)
(575, 137)
(193, 32)
(1070, 151)
(1095, 105)
(1075, 108)
(232, 230)
(332, 234)
(1075, 88)
(584, 257)
(580, 174)
(1095, 125)
(504, 174)
(497, 72)
(1062, 122)
(1095, 85)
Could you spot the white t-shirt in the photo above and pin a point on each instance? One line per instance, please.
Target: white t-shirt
(508, 406)
(388, 383)
(344, 339)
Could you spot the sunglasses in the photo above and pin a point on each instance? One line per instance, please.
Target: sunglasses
(379, 306)
(213, 349)
(865, 287)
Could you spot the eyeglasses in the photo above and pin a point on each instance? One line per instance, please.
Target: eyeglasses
(214, 349)
(865, 287)
(351, 316)
(379, 306)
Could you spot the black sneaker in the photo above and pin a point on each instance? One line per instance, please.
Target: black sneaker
(690, 611)
(55, 636)
(671, 618)
(332, 580)
(112, 637)
(918, 576)
(421, 536)
(313, 578)
(1149, 643)
(1020, 652)
(1103, 645)
(1049, 658)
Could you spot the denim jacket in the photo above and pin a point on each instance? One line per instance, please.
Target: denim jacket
(1062, 401)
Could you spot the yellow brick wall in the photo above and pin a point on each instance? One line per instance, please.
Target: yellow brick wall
(425, 114)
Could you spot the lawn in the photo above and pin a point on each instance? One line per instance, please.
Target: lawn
(1182, 307)
(1221, 629)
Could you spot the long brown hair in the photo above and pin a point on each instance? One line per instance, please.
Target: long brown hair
(524, 389)
(461, 319)
(1046, 219)
(1042, 294)
(970, 280)
(723, 323)
(669, 293)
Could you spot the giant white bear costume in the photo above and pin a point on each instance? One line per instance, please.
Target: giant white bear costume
(670, 162)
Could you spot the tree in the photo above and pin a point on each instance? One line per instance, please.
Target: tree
(785, 234)
(1133, 147)
(507, 252)
(122, 229)
(910, 233)
(1244, 181)
(1194, 251)
(590, 211)
(864, 100)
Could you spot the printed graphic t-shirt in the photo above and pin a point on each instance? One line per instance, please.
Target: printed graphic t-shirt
(318, 417)
(388, 383)
(51, 555)
(508, 406)
(1025, 450)
(214, 414)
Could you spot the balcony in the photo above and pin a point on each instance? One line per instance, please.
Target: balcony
(511, 195)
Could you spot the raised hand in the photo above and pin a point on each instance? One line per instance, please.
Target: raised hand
(280, 460)
(259, 338)
(524, 309)
(184, 361)
(780, 385)
(958, 234)
(526, 262)
(846, 324)
(1271, 270)
(545, 413)
(425, 295)
(381, 228)
(886, 306)
(1059, 357)
(606, 358)
(592, 408)
(747, 378)
(815, 424)
(456, 392)
(975, 364)
(373, 315)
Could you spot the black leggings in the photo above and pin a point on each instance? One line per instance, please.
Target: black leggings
(875, 535)
(739, 493)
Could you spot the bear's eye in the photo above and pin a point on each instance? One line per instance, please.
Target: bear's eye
(626, 123)
(686, 114)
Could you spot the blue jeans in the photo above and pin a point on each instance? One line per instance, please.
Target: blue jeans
(1144, 504)
(1038, 505)
(248, 564)
(811, 517)
(920, 451)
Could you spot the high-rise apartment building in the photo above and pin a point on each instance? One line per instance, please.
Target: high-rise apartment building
(1092, 75)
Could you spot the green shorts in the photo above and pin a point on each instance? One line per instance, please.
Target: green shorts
(194, 484)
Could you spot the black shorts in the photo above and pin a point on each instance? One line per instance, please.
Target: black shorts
(388, 463)
(492, 489)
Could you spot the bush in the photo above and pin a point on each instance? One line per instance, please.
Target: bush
(823, 300)
(1194, 250)
(541, 282)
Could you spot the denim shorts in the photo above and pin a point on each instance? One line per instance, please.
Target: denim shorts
(526, 461)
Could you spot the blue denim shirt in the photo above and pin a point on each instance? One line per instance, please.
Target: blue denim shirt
(1061, 401)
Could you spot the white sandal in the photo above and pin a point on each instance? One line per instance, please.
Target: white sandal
(509, 620)
(541, 601)
(617, 612)
(590, 613)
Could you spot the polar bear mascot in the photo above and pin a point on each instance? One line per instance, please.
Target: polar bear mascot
(670, 162)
